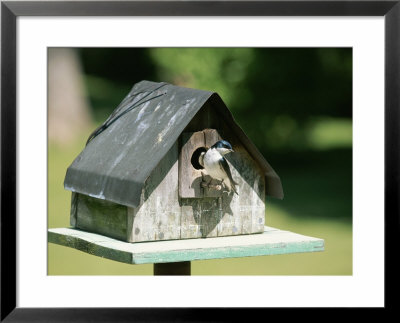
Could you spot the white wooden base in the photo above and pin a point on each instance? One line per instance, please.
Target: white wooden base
(271, 242)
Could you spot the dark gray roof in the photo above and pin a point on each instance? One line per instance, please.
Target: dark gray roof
(116, 163)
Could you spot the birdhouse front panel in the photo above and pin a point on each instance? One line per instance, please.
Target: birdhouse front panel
(209, 211)
(147, 172)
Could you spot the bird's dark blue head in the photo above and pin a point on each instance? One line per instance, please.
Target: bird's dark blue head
(223, 147)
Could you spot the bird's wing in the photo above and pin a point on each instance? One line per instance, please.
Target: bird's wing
(223, 164)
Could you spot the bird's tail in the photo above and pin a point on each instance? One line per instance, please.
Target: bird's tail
(230, 184)
(233, 186)
(234, 189)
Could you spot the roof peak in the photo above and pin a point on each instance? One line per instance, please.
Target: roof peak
(122, 153)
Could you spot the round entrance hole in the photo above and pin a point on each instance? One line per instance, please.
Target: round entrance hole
(195, 157)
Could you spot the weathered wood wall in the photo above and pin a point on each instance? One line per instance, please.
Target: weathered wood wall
(158, 216)
(243, 213)
(101, 216)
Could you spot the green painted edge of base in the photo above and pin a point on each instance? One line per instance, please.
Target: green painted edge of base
(184, 255)
(236, 252)
(90, 247)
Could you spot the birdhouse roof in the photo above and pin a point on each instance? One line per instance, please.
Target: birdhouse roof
(122, 154)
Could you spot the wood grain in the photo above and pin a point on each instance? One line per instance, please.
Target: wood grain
(243, 213)
(102, 217)
(191, 218)
(158, 216)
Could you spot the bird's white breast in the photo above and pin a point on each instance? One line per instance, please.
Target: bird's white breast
(211, 164)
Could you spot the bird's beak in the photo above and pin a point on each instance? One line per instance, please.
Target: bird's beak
(231, 150)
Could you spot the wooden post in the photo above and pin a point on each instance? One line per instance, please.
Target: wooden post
(172, 268)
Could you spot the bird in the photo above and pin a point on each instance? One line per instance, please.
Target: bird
(214, 162)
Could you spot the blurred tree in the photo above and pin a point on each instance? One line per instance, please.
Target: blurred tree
(110, 74)
(279, 96)
(68, 110)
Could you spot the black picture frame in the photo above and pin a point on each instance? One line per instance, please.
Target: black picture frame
(11, 10)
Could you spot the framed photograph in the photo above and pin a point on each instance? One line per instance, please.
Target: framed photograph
(314, 85)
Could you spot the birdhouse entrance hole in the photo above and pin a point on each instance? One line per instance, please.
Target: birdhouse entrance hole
(195, 157)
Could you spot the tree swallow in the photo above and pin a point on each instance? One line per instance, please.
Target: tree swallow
(216, 165)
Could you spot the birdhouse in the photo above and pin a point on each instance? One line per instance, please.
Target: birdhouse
(140, 176)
